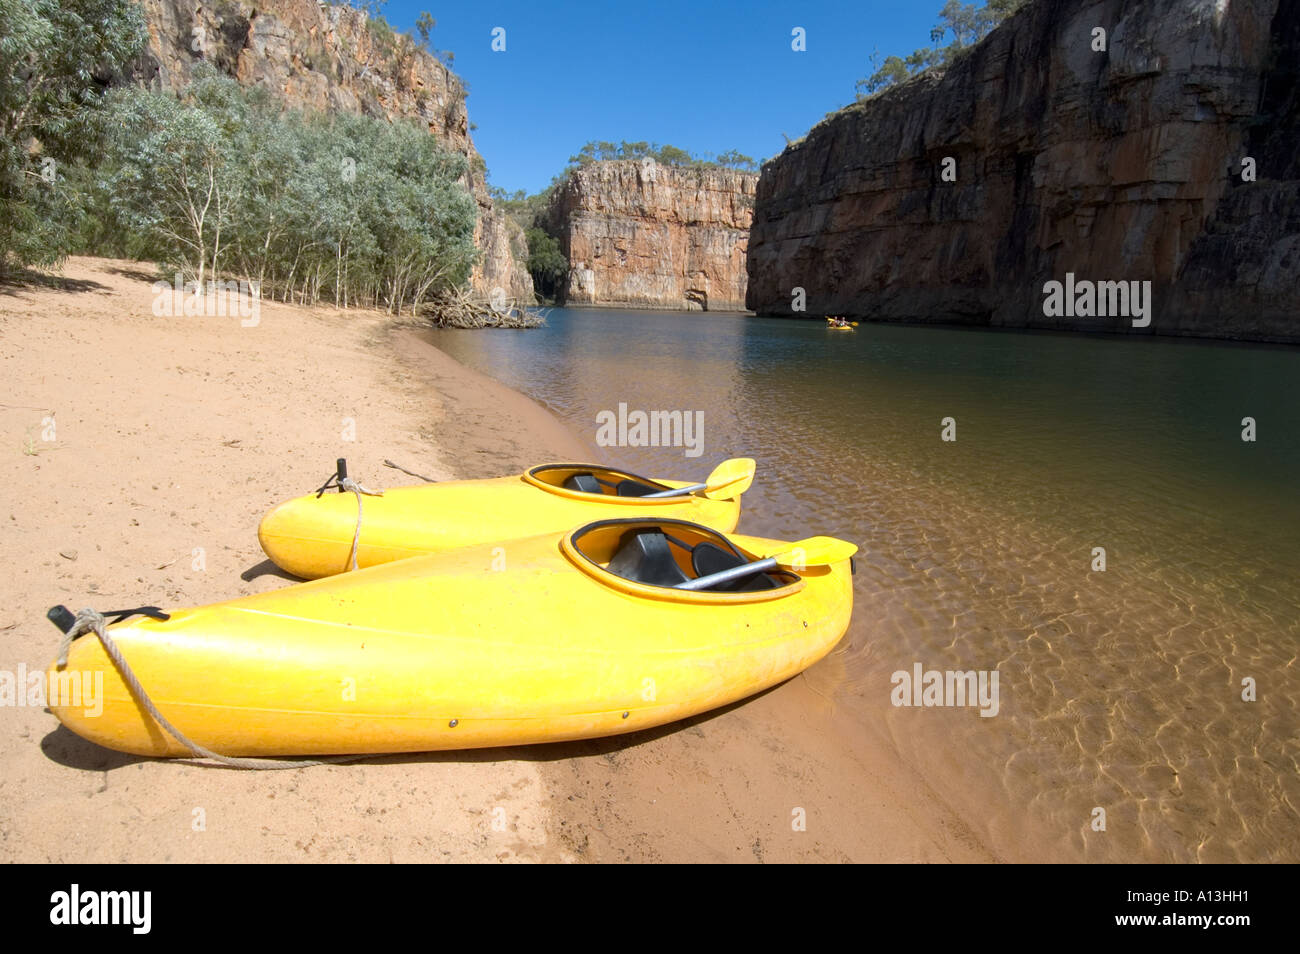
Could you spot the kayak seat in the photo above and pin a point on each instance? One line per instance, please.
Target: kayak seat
(634, 488)
(643, 557)
(710, 558)
(586, 483)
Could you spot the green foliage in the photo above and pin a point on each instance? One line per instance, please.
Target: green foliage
(382, 31)
(544, 255)
(966, 23)
(56, 59)
(671, 155)
(222, 182)
(668, 155)
(892, 71)
(526, 210)
(546, 262)
(398, 46)
(733, 159)
(424, 25)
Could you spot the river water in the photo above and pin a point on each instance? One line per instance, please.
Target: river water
(1121, 691)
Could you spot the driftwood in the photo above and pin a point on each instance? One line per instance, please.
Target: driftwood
(457, 308)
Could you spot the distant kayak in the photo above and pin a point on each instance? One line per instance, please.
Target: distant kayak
(563, 636)
(311, 536)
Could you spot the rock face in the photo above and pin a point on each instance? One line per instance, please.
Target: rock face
(641, 234)
(1116, 165)
(332, 58)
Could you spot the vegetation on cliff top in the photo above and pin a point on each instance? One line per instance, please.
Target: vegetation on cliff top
(967, 23)
(401, 45)
(668, 155)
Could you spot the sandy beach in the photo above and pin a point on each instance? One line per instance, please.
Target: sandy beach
(171, 436)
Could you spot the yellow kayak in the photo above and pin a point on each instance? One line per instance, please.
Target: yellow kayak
(566, 636)
(311, 536)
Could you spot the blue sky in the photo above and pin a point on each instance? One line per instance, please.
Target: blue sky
(704, 76)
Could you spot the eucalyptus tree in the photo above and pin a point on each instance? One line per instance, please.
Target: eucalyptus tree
(224, 181)
(56, 59)
(966, 23)
(168, 179)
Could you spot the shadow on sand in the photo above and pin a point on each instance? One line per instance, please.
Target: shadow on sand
(67, 748)
(15, 282)
(267, 568)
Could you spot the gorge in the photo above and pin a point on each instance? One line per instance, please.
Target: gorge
(1165, 153)
(1124, 163)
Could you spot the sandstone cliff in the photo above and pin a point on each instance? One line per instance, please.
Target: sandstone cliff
(331, 58)
(641, 234)
(1116, 165)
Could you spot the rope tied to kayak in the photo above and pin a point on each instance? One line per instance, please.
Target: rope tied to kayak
(345, 484)
(348, 484)
(89, 621)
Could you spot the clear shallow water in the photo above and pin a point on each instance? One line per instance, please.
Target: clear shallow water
(1118, 689)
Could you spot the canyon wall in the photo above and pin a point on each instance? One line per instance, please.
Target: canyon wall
(333, 58)
(641, 234)
(1117, 165)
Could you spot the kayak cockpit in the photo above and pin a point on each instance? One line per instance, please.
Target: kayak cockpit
(634, 554)
(593, 480)
(647, 556)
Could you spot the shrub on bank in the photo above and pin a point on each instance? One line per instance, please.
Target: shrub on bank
(57, 57)
(341, 208)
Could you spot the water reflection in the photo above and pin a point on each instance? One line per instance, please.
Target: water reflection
(1121, 689)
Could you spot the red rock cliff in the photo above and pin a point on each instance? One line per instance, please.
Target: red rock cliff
(642, 234)
(1116, 165)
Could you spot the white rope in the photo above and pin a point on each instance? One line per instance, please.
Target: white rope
(89, 621)
(347, 483)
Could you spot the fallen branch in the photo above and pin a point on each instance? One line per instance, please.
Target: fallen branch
(458, 308)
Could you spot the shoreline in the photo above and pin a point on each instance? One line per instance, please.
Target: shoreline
(174, 436)
(637, 306)
(734, 776)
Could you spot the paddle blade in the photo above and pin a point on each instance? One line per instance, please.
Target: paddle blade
(730, 479)
(815, 551)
